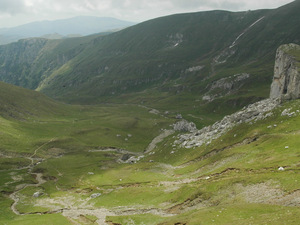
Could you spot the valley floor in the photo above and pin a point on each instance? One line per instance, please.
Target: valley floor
(124, 165)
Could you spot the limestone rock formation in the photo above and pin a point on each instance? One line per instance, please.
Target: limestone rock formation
(286, 81)
(250, 114)
(225, 86)
(285, 86)
(185, 126)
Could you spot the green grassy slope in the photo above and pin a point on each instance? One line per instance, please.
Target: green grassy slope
(20, 104)
(233, 179)
(158, 62)
(156, 54)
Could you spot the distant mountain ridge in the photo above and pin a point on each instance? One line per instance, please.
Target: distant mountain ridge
(81, 25)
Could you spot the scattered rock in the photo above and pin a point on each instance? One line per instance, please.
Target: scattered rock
(185, 126)
(90, 173)
(225, 86)
(95, 195)
(287, 112)
(37, 194)
(154, 111)
(208, 98)
(125, 157)
(133, 159)
(252, 113)
(178, 116)
(194, 69)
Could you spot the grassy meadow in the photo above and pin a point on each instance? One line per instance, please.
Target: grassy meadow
(235, 178)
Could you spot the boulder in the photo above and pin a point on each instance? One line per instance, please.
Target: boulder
(125, 157)
(37, 194)
(95, 195)
(185, 126)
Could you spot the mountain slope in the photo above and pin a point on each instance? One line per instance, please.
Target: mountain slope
(157, 51)
(87, 165)
(27, 62)
(20, 103)
(157, 62)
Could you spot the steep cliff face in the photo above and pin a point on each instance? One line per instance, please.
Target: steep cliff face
(16, 61)
(286, 81)
(28, 62)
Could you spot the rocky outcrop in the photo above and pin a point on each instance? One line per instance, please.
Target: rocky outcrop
(257, 111)
(225, 86)
(185, 126)
(285, 86)
(286, 81)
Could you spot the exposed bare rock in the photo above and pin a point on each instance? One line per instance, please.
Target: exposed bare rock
(257, 111)
(37, 194)
(225, 86)
(185, 126)
(286, 81)
(95, 195)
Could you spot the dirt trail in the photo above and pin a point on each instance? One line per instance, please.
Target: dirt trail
(38, 177)
(74, 213)
(14, 195)
(117, 150)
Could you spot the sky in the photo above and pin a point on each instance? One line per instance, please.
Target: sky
(17, 12)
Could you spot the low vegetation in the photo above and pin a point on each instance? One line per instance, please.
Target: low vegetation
(241, 177)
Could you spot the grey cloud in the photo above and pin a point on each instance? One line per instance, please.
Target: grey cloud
(19, 11)
(12, 6)
(214, 4)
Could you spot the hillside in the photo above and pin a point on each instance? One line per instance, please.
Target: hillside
(19, 103)
(182, 63)
(78, 26)
(128, 164)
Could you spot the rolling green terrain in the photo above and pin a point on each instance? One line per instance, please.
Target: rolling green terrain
(109, 152)
(68, 164)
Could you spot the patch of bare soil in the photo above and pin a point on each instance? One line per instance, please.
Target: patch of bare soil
(267, 193)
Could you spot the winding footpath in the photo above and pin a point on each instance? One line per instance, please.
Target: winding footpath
(14, 195)
(74, 213)
(38, 177)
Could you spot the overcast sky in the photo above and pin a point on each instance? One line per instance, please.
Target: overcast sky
(17, 12)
